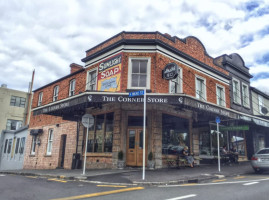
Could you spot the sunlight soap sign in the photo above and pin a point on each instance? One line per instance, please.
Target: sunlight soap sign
(109, 74)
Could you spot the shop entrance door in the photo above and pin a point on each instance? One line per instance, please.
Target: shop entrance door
(134, 151)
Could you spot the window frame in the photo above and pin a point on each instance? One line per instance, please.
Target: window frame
(130, 70)
(260, 103)
(21, 101)
(50, 140)
(224, 97)
(17, 122)
(245, 104)
(5, 148)
(88, 86)
(22, 145)
(55, 93)
(72, 87)
(9, 145)
(178, 82)
(236, 98)
(17, 145)
(33, 146)
(40, 98)
(197, 95)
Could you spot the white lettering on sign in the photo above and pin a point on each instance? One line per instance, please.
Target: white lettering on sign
(110, 63)
(108, 99)
(110, 72)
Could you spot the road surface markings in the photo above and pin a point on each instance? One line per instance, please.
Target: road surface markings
(183, 197)
(114, 186)
(239, 177)
(31, 176)
(189, 184)
(2, 175)
(221, 180)
(251, 183)
(57, 180)
(100, 193)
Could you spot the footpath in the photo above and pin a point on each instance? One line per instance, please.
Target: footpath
(197, 174)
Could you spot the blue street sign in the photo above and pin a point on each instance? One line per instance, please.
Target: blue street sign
(218, 120)
(136, 93)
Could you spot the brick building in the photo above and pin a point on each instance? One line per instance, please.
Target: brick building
(186, 89)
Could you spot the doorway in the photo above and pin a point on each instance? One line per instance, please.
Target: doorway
(62, 151)
(134, 151)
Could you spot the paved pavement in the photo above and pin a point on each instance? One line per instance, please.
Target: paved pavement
(197, 174)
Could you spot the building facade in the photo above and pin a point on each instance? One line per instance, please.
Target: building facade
(186, 90)
(13, 106)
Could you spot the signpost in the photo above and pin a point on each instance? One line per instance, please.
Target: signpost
(88, 122)
(134, 94)
(218, 121)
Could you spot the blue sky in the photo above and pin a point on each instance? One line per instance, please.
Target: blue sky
(49, 35)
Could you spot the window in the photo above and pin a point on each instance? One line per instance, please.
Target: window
(220, 96)
(200, 88)
(5, 149)
(139, 73)
(175, 134)
(55, 93)
(34, 141)
(50, 139)
(17, 101)
(13, 124)
(17, 145)
(21, 148)
(101, 134)
(245, 95)
(175, 85)
(40, 97)
(236, 91)
(261, 104)
(72, 87)
(9, 146)
(91, 84)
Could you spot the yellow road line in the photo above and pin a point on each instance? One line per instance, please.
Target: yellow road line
(100, 193)
(239, 177)
(189, 184)
(114, 186)
(62, 181)
(215, 181)
(31, 176)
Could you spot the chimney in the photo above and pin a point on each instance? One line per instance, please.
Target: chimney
(75, 67)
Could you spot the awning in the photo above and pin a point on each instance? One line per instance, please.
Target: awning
(36, 132)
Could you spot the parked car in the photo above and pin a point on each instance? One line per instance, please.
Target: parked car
(260, 160)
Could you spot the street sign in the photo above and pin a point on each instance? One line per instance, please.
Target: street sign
(136, 93)
(217, 120)
(87, 120)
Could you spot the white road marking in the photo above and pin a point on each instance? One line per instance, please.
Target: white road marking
(251, 183)
(2, 175)
(183, 197)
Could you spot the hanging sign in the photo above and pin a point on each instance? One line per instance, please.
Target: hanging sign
(170, 71)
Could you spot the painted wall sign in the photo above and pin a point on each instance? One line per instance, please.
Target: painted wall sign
(109, 74)
(170, 71)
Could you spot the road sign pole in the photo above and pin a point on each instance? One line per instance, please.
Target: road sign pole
(144, 136)
(86, 146)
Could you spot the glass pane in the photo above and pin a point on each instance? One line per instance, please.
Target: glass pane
(141, 140)
(22, 145)
(131, 139)
(135, 66)
(17, 145)
(99, 137)
(143, 81)
(109, 132)
(90, 141)
(143, 66)
(135, 78)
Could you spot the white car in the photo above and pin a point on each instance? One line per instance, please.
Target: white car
(260, 160)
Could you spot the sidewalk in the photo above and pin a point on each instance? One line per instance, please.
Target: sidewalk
(134, 175)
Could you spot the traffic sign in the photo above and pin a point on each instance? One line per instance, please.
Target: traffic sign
(87, 120)
(136, 93)
(217, 120)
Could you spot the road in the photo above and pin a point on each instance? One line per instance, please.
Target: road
(247, 187)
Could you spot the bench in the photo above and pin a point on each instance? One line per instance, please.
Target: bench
(176, 162)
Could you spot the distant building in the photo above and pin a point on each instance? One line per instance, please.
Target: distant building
(13, 107)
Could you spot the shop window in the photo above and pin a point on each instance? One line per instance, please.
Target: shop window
(237, 140)
(13, 124)
(5, 148)
(245, 95)
(9, 146)
(92, 77)
(17, 101)
(55, 93)
(175, 134)
(200, 88)
(139, 73)
(236, 92)
(40, 97)
(220, 96)
(72, 86)
(17, 145)
(22, 143)
(175, 85)
(50, 139)
(101, 134)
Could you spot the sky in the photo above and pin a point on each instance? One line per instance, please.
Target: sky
(49, 35)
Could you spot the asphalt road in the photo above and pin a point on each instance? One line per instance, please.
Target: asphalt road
(247, 187)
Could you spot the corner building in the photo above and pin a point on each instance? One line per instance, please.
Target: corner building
(185, 91)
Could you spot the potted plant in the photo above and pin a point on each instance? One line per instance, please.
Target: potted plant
(151, 163)
(121, 162)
